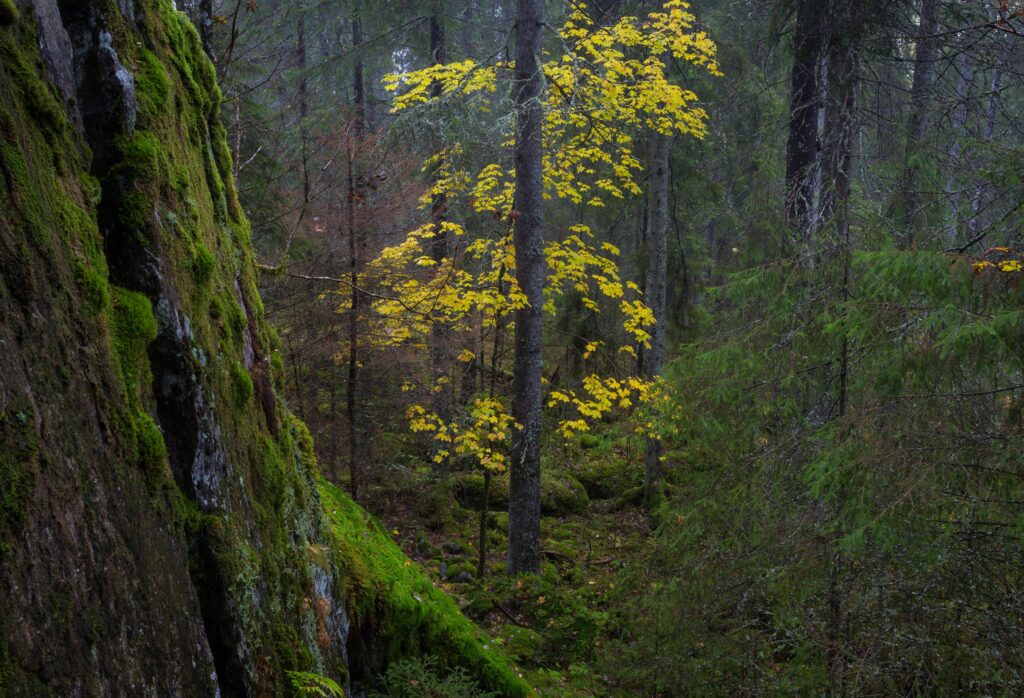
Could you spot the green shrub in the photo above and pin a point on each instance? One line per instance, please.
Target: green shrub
(420, 678)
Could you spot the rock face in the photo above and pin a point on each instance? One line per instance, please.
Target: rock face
(161, 525)
(157, 513)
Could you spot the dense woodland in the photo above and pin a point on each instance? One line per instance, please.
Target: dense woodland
(680, 344)
(711, 315)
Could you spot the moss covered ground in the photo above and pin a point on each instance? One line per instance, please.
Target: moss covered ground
(399, 611)
(560, 626)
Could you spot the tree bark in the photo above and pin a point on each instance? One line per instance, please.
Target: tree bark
(804, 105)
(531, 269)
(843, 67)
(655, 295)
(355, 244)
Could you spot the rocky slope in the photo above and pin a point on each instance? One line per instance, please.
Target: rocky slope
(162, 530)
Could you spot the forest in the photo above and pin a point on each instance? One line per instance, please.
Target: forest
(452, 348)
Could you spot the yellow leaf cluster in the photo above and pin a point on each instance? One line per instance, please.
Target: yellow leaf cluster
(598, 398)
(481, 433)
(610, 81)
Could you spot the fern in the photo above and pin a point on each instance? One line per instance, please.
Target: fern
(309, 684)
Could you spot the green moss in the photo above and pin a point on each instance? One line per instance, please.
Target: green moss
(241, 383)
(304, 443)
(8, 13)
(222, 156)
(393, 605)
(38, 94)
(17, 458)
(24, 196)
(92, 282)
(152, 451)
(468, 489)
(203, 264)
(134, 328)
(562, 494)
(277, 370)
(236, 318)
(132, 187)
(152, 85)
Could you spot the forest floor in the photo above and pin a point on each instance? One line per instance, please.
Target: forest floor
(560, 626)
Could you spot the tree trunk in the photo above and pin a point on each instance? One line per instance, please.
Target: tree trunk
(965, 79)
(888, 107)
(656, 239)
(439, 355)
(531, 269)
(353, 337)
(354, 245)
(918, 122)
(499, 337)
(358, 80)
(991, 114)
(804, 104)
(843, 68)
(301, 61)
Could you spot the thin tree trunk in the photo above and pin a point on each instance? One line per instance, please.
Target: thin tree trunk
(301, 61)
(358, 79)
(353, 337)
(918, 122)
(991, 114)
(531, 267)
(439, 355)
(653, 359)
(499, 334)
(965, 79)
(888, 107)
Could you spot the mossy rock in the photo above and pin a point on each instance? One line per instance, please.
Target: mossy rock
(435, 508)
(468, 489)
(607, 478)
(8, 13)
(525, 645)
(498, 521)
(632, 497)
(461, 571)
(395, 610)
(562, 494)
(559, 550)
